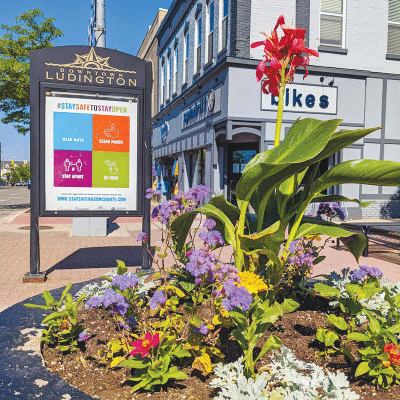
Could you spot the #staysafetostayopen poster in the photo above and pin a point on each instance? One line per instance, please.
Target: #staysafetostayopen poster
(91, 154)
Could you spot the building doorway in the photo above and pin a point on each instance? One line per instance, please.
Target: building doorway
(239, 154)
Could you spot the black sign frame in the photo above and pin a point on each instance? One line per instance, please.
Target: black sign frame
(89, 70)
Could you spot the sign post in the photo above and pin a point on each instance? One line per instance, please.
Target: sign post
(90, 138)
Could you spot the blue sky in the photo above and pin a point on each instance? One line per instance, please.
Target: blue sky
(127, 22)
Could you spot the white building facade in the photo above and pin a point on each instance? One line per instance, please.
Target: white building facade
(213, 116)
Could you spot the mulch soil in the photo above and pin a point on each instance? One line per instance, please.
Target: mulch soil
(84, 370)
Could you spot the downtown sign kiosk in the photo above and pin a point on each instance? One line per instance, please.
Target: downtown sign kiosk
(90, 137)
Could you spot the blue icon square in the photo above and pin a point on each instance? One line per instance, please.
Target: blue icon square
(73, 131)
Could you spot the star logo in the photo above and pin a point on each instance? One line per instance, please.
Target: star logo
(91, 61)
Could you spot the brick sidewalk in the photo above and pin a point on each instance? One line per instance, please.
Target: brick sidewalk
(78, 259)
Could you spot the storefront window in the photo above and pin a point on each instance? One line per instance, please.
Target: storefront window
(238, 157)
(197, 161)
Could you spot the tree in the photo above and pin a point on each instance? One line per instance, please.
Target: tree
(20, 173)
(32, 32)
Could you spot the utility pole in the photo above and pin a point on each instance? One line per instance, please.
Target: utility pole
(97, 27)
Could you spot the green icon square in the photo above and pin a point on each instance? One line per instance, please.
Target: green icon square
(110, 169)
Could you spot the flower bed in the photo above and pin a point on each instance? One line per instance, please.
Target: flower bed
(176, 334)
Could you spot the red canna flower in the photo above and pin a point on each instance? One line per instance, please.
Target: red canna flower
(284, 54)
(143, 346)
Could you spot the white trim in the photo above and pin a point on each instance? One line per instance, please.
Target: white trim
(343, 16)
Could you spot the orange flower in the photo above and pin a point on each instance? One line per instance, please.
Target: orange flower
(393, 352)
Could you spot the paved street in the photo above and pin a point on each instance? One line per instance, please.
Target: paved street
(13, 198)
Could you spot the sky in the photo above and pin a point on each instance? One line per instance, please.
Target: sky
(127, 22)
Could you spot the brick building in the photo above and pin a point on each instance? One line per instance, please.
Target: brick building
(213, 117)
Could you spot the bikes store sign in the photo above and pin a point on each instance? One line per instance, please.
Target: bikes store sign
(304, 98)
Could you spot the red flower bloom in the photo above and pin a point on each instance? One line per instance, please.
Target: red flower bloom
(394, 353)
(285, 53)
(143, 346)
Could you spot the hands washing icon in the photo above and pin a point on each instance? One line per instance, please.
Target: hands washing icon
(113, 132)
(112, 167)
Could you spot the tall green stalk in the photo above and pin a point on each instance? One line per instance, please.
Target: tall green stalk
(280, 109)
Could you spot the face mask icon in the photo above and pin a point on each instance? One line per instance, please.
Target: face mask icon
(112, 166)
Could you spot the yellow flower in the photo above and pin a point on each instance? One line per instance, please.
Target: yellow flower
(252, 282)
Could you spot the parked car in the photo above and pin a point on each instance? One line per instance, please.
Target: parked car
(19, 184)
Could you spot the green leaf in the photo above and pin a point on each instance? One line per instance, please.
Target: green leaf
(195, 321)
(336, 198)
(373, 323)
(269, 239)
(177, 375)
(243, 342)
(312, 226)
(115, 361)
(187, 286)
(347, 353)
(290, 305)
(394, 328)
(339, 322)
(363, 368)
(141, 384)
(49, 299)
(304, 141)
(359, 337)
(180, 353)
(63, 294)
(330, 338)
(239, 319)
(326, 291)
(154, 373)
(55, 315)
(320, 335)
(272, 342)
(367, 172)
(37, 306)
(121, 268)
(135, 363)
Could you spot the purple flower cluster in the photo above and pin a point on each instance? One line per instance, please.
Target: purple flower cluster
(203, 329)
(211, 238)
(142, 237)
(365, 272)
(158, 298)
(108, 298)
(201, 262)
(203, 265)
(300, 255)
(153, 194)
(236, 296)
(83, 336)
(125, 281)
(209, 224)
(330, 212)
(182, 202)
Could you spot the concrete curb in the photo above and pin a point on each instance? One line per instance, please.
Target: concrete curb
(23, 375)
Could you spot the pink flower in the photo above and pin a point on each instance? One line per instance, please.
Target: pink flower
(143, 346)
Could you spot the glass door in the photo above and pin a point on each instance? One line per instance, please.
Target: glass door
(239, 154)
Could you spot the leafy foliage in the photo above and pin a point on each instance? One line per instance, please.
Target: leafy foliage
(31, 32)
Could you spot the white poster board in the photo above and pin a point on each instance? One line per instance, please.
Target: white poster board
(90, 154)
